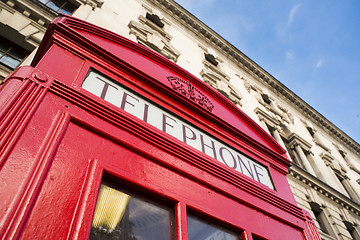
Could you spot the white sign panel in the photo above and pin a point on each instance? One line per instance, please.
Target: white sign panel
(169, 123)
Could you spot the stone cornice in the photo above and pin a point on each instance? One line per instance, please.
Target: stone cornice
(295, 139)
(94, 3)
(216, 41)
(324, 189)
(268, 119)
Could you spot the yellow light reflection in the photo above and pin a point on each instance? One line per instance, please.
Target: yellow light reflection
(110, 208)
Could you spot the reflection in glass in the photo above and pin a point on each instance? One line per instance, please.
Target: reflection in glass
(201, 230)
(60, 6)
(124, 217)
(11, 55)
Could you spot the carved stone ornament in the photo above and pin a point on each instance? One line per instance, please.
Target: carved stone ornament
(151, 35)
(191, 92)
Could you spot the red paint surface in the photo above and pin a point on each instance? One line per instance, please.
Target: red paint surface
(57, 140)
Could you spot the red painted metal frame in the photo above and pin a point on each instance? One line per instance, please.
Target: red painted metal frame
(57, 140)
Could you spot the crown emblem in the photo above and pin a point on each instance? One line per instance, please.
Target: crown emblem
(191, 92)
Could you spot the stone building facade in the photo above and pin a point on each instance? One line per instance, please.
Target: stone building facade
(325, 176)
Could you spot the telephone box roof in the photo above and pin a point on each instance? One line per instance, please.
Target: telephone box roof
(164, 74)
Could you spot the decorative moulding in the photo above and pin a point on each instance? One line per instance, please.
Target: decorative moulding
(215, 77)
(324, 189)
(349, 161)
(93, 3)
(220, 83)
(153, 39)
(191, 92)
(317, 137)
(150, 31)
(328, 159)
(270, 120)
(296, 139)
(280, 113)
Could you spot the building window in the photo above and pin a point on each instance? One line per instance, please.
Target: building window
(348, 188)
(155, 19)
(199, 229)
(290, 151)
(150, 32)
(60, 6)
(266, 98)
(321, 219)
(211, 58)
(11, 55)
(119, 215)
(352, 230)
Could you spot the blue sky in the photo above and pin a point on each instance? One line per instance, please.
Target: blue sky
(312, 47)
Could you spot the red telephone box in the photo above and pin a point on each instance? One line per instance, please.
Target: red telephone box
(102, 138)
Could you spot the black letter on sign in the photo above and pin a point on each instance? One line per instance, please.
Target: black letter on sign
(193, 137)
(203, 145)
(222, 157)
(105, 89)
(123, 102)
(164, 123)
(249, 170)
(146, 113)
(257, 173)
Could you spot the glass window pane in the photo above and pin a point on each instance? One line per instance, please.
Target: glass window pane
(60, 6)
(17, 53)
(4, 46)
(201, 230)
(9, 61)
(11, 55)
(53, 6)
(68, 8)
(44, 1)
(124, 217)
(64, 11)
